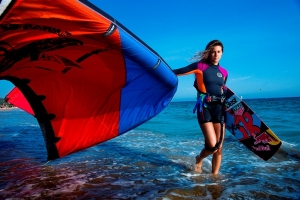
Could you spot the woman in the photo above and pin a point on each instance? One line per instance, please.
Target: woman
(210, 81)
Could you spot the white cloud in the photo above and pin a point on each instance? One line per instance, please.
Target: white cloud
(240, 79)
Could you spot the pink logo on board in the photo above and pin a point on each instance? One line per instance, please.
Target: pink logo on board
(238, 109)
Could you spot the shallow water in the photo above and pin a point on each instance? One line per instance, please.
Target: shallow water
(153, 161)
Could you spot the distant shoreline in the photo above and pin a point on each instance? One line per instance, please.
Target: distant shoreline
(7, 108)
(244, 99)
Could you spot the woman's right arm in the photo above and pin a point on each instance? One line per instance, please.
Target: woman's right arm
(190, 69)
(193, 69)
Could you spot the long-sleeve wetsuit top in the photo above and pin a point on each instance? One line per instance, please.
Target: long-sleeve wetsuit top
(209, 78)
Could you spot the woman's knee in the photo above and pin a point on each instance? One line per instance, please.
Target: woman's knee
(217, 146)
(219, 150)
(214, 150)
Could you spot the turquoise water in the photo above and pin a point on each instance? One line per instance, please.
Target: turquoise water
(153, 161)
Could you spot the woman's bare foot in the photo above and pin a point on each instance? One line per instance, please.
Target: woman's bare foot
(198, 164)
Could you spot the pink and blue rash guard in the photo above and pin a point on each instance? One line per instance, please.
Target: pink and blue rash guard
(209, 78)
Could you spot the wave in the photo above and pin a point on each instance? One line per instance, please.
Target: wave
(289, 149)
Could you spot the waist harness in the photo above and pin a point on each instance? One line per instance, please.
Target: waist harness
(205, 99)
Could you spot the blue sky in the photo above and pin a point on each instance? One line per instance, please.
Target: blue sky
(261, 40)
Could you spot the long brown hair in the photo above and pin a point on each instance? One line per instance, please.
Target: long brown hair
(203, 56)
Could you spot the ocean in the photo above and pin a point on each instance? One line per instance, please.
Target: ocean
(153, 161)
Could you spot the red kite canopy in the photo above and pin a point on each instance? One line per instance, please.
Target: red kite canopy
(86, 77)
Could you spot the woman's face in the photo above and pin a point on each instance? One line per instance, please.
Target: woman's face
(215, 55)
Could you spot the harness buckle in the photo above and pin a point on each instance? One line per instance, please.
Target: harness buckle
(208, 99)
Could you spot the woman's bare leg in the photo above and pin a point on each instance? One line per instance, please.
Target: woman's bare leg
(199, 159)
(217, 156)
(216, 161)
(211, 140)
(211, 134)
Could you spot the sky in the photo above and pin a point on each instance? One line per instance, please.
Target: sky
(261, 40)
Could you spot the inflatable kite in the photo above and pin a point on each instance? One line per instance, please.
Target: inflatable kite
(85, 77)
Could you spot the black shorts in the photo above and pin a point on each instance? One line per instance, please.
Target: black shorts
(212, 113)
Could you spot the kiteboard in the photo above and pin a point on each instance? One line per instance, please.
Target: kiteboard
(242, 122)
